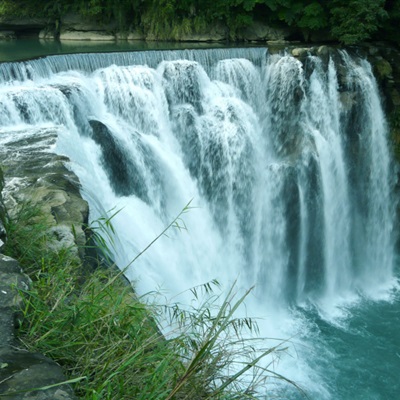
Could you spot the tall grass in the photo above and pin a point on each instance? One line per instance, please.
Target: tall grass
(98, 329)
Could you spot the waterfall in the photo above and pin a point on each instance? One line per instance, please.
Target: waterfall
(286, 163)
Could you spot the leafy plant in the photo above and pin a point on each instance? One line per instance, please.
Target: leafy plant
(356, 20)
(107, 338)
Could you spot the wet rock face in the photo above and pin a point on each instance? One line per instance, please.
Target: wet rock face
(32, 173)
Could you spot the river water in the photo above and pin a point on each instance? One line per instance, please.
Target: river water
(288, 167)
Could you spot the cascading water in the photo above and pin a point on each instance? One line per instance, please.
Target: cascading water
(287, 162)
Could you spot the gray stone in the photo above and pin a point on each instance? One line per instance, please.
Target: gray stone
(86, 35)
(35, 174)
(12, 279)
(300, 51)
(21, 371)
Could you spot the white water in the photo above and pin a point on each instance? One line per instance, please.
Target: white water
(288, 168)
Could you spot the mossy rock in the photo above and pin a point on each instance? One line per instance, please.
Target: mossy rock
(383, 69)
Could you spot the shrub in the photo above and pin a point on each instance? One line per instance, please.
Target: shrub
(108, 339)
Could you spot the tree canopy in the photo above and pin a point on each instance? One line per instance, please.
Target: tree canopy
(348, 21)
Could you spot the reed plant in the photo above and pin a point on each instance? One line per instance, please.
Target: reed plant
(108, 339)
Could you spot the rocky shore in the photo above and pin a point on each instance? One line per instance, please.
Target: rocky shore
(33, 174)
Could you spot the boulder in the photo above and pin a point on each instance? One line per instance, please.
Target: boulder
(300, 51)
(21, 371)
(86, 35)
(12, 280)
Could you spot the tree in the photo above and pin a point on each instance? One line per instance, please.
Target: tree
(356, 20)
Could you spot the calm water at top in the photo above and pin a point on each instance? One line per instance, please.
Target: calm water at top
(23, 49)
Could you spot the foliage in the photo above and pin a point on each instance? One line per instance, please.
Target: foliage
(107, 339)
(394, 120)
(357, 20)
(349, 21)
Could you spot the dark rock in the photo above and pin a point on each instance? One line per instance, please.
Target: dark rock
(124, 175)
(12, 280)
(2, 213)
(21, 371)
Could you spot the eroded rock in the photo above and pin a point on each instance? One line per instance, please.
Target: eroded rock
(33, 174)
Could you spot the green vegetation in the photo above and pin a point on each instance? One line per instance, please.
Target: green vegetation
(107, 339)
(348, 21)
(394, 121)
